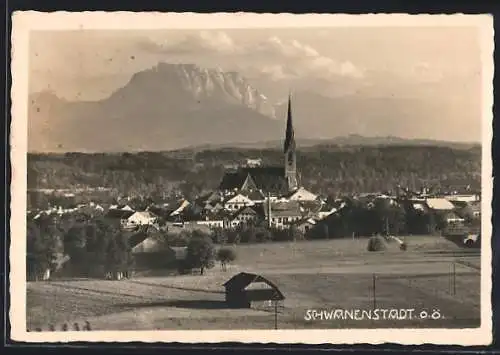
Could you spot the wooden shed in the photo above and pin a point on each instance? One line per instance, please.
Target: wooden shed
(245, 288)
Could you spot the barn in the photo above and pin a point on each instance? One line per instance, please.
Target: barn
(245, 289)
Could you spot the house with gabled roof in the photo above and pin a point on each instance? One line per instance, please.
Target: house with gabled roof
(235, 203)
(282, 214)
(141, 218)
(245, 215)
(301, 194)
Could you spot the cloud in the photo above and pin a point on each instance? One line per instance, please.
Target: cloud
(277, 72)
(203, 41)
(279, 58)
(293, 48)
(425, 72)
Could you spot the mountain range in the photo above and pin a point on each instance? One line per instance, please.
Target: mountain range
(172, 106)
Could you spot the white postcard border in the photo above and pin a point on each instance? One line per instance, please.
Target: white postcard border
(24, 22)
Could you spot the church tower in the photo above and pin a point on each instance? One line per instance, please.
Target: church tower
(289, 151)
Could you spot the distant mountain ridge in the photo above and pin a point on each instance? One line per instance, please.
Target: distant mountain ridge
(350, 140)
(173, 106)
(163, 108)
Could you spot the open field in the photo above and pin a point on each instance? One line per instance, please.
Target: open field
(319, 275)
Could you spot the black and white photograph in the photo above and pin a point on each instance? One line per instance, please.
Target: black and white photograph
(246, 177)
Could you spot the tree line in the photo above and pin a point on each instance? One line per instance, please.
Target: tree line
(325, 171)
(95, 246)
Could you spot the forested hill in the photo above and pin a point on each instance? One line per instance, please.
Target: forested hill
(327, 170)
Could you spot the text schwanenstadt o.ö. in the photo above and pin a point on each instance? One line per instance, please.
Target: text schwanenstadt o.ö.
(371, 314)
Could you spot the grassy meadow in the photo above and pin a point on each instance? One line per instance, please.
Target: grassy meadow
(313, 275)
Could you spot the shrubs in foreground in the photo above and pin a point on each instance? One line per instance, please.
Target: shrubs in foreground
(225, 256)
(377, 243)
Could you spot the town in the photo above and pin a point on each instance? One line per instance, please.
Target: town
(252, 204)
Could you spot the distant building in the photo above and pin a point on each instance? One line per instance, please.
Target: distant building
(252, 163)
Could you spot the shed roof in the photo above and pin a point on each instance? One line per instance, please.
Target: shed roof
(242, 280)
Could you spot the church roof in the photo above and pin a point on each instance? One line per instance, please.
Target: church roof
(232, 180)
(255, 195)
(267, 179)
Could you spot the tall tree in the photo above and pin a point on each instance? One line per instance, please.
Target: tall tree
(44, 247)
(200, 253)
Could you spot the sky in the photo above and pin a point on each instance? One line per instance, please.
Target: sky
(432, 63)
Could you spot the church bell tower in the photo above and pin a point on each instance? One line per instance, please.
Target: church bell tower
(289, 151)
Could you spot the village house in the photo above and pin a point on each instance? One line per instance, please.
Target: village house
(141, 218)
(246, 215)
(282, 214)
(301, 194)
(235, 203)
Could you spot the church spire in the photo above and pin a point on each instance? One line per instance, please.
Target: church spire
(289, 150)
(290, 134)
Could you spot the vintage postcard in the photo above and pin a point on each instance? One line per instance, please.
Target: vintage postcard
(257, 178)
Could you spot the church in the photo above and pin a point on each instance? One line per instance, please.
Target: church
(273, 180)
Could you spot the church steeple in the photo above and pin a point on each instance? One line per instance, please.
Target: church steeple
(289, 150)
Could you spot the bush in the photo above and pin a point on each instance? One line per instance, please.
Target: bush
(377, 243)
(226, 254)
